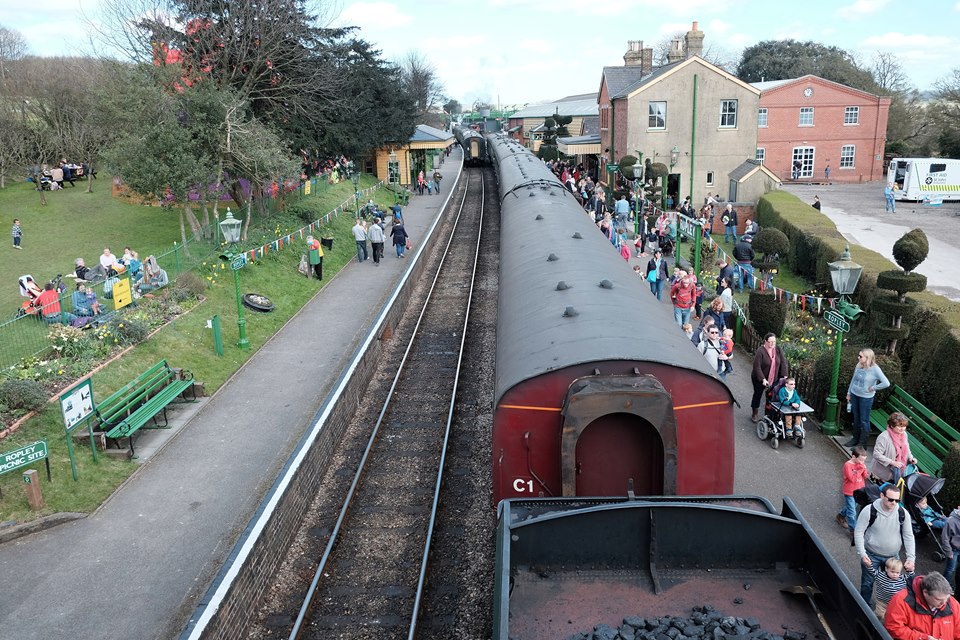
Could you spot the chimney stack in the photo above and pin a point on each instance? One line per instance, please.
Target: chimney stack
(676, 52)
(648, 59)
(694, 42)
(633, 56)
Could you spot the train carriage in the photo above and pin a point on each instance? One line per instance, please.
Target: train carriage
(474, 146)
(597, 390)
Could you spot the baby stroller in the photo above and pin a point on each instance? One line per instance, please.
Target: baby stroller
(30, 290)
(917, 487)
(772, 425)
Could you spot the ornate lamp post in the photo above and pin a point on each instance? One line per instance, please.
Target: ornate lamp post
(355, 178)
(674, 156)
(230, 227)
(845, 274)
(637, 177)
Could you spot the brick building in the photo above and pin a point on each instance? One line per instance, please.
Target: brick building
(821, 124)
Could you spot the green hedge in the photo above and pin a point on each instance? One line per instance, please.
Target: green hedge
(929, 354)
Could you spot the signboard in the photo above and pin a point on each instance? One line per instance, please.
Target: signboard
(238, 262)
(837, 321)
(306, 187)
(121, 293)
(612, 168)
(27, 454)
(76, 406)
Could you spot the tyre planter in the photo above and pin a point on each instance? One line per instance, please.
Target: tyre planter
(257, 302)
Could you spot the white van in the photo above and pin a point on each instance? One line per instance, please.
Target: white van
(925, 179)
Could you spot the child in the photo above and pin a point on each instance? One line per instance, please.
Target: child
(698, 301)
(933, 519)
(890, 580)
(688, 329)
(92, 301)
(855, 476)
(790, 398)
(625, 251)
(727, 342)
(17, 233)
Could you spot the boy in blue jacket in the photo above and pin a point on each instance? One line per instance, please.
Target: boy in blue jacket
(789, 397)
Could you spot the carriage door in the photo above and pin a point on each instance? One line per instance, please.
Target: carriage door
(617, 429)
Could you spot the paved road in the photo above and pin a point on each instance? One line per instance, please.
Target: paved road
(857, 210)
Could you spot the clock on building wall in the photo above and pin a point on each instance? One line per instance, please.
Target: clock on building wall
(808, 92)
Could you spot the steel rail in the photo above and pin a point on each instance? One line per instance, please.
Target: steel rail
(421, 580)
(307, 605)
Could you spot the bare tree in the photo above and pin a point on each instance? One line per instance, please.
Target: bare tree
(422, 83)
(712, 53)
(13, 46)
(889, 74)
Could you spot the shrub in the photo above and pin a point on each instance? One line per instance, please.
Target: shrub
(191, 283)
(911, 249)
(27, 395)
(950, 494)
(130, 330)
(767, 314)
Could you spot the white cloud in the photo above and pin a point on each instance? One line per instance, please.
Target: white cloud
(536, 45)
(375, 16)
(861, 8)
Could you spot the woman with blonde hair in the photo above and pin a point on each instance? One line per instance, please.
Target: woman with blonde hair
(866, 381)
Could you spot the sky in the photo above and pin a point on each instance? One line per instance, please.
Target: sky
(516, 52)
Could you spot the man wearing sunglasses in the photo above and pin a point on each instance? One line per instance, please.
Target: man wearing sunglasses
(883, 527)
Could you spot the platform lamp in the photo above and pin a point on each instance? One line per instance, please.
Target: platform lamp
(845, 274)
(230, 227)
(355, 178)
(637, 178)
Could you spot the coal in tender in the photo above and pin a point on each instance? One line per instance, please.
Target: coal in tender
(704, 623)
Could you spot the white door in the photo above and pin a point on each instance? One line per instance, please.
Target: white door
(805, 156)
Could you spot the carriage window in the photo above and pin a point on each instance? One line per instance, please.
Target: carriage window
(936, 168)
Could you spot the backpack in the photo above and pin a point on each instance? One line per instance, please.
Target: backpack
(873, 515)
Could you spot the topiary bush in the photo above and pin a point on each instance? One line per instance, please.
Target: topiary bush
(191, 283)
(909, 251)
(25, 395)
(767, 314)
(773, 244)
(949, 496)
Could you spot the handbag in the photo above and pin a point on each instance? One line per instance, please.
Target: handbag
(409, 244)
(304, 269)
(652, 275)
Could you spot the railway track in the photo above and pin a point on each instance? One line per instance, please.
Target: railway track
(371, 575)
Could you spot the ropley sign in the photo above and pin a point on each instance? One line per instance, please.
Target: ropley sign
(27, 454)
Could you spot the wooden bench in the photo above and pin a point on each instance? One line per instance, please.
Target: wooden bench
(929, 436)
(141, 401)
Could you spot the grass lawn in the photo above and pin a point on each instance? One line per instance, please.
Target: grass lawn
(74, 224)
(186, 343)
(784, 278)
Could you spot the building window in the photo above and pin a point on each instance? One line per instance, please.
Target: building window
(851, 115)
(761, 154)
(802, 162)
(762, 117)
(806, 116)
(605, 117)
(847, 153)
(658, 116)
(709, 178)
(728, 114)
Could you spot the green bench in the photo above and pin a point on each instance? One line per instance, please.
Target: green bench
(141, 401)
(929, 436)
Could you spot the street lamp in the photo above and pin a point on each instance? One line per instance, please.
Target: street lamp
(674, 156)
(845, 274)
(230, 227)
(637, 175)
(355, 178)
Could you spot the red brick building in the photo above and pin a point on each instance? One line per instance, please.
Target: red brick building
(819, 124)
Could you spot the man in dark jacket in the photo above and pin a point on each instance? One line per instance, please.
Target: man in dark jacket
(743, 254)
(726, 273)
(925, 609)
(729, 218)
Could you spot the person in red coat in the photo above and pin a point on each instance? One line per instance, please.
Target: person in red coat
(924, 611)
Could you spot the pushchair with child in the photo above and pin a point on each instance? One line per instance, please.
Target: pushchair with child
(772, 424)
(31, 290)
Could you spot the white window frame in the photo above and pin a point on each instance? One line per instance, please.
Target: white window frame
(761, 155)
(807, 157)
(851, 116)
(726, 113)
(709, 178)
(805, 111)
(651, 115)
(762, 116)
(848, 160)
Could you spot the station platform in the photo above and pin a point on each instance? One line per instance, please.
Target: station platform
(138, 565)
